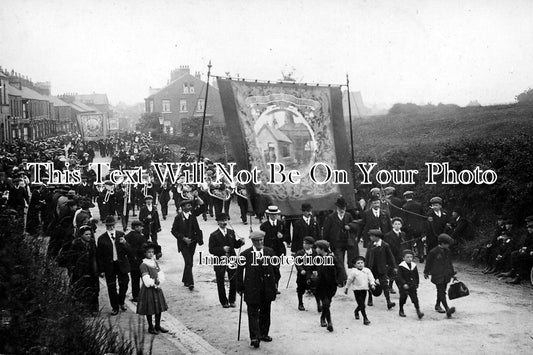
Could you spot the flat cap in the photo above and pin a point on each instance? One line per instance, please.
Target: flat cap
(322, 244)
(436, 200)
(309, 240)
(406, 193)
(375, 232)
(136, 223)
(257, 235)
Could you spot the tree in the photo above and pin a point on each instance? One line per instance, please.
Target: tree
(149, 122)
(525, 97)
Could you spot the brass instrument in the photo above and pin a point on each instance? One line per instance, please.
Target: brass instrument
(240, 190)
(220, 191)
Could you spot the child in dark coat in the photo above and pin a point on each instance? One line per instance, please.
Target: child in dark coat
(439, 266)
(407, 281)
(329, 276)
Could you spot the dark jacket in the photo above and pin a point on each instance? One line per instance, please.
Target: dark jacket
(335, 233)
(258, 282)
(407, 276)
(271, 236)
(151, 225)
(395, 244)
(435, 227)
(370, 221)
(300, 229)
(462, 229)
(329, 278)
(104, 253)
(217, 242)
(413, 224)
(380, 259)
(439, 265)
(182, 228)
(136, 241)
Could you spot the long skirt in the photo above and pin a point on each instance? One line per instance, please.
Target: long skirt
(151, 301)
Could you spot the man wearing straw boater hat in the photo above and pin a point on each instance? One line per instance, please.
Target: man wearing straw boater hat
(257, 279)
(275, 231)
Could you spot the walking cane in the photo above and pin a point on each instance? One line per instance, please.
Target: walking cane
(289, 280)
(240, 316)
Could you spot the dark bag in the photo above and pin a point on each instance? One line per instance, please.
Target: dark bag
(457, 289)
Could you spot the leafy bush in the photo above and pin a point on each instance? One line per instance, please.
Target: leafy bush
(40, 316)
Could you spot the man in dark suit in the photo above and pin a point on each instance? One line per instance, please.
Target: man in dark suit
(414, 218)
(258, 278)
(436, 222)
(222, 243)
(149, 216)
(340, 234)
(188, 234)
(112, 254)
(375, 218)
(305, 226)
(84, 189)
(275, 232)
(136, 240)
(380, 260)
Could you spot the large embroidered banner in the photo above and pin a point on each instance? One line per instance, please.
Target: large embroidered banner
(295, 125)
(92, 126)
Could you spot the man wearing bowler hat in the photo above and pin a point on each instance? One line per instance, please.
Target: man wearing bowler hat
(112, 254)
(338, 231)
(257, 279)
(304, 226)
(222, 243)
(188, 234)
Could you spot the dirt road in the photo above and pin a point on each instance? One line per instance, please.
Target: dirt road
(496, 318)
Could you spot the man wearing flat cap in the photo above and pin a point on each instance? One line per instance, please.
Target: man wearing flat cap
(188, 234)
(257, 278)
(223, 242)
(304, 226)
(436, 222)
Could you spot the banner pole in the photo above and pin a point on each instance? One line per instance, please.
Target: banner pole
(352, 166)
(205, 109)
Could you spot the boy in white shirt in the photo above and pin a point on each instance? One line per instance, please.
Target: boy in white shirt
(359, 280)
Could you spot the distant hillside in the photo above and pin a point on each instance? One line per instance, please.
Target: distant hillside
(380, 134)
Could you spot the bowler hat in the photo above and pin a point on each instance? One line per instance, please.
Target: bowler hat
(110, 220)
(306, 207)
(257, 235)
(273, 210)
(376, 292)
(341, 202)
(221, 217)
(445, 238)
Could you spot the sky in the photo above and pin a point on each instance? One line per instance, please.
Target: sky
(393, 51)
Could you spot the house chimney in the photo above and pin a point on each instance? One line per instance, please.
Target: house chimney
(182, 70)
(198, 75)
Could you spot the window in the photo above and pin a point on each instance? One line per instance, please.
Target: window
(166, 105)
(191, 89)
(185, 88)
(200, 105)
(25, 109)
(151, 106)
(183, 105)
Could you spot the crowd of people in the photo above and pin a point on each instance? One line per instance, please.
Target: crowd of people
(394, 231)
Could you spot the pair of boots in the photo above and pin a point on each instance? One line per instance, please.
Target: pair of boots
(363, 312)
(326, 322)
(158, 328)
(448, 310)
(418, 312)
(300, 302)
